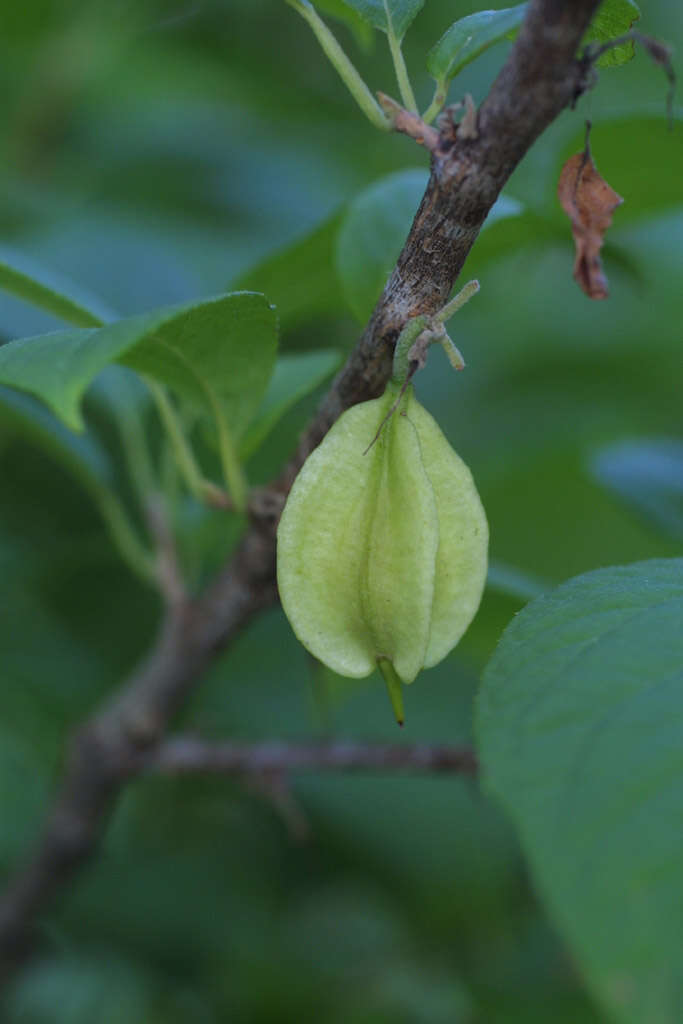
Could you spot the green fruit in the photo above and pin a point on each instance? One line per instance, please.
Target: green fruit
(382, 551)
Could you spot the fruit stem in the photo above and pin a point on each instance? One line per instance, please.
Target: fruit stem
(394, 685)
(406, 339)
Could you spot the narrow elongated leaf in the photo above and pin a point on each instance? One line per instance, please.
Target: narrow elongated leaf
(295, 376)
(612, 19)
(647, 475)
(581, 737)
(21, 277)
(218, 350)
(386, 14)
(469, 37)
(374, 229)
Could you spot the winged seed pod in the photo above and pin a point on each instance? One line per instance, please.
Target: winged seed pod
(382, 551)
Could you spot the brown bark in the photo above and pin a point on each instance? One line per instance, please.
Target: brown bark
(187, 755)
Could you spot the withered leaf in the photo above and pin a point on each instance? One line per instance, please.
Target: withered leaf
(589, 202)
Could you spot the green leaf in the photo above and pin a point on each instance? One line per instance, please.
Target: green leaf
(300, 279)
(22, 278)
(295, 376)
(388, 14)
(468, 37)
(218, 350)
(613, 18)
(581, 737)
(648, 476)
(373, 232)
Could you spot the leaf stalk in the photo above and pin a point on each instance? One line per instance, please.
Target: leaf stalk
(402, 77)
(339, 60)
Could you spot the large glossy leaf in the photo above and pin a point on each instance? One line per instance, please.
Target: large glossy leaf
(388, 15)
(470, 36)
(613, 19)
(581, 737)
(647, 475)
(218, 350)
(374, 229)
(21, 277)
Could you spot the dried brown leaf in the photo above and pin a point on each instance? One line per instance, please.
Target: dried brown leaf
(589, 202)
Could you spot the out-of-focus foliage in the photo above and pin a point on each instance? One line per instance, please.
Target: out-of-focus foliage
(579, 735)
(156, 153)
(176, 346)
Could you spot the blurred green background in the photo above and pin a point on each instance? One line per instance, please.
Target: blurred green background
(155, 152)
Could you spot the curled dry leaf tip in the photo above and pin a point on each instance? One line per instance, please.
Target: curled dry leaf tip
(589, 202)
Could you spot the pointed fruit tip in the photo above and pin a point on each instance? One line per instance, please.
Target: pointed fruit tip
(394, 686)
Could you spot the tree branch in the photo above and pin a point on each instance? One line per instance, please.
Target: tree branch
(187, 755)
(540, 78)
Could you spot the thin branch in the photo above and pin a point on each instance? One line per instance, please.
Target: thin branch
(169, 572)
(110, 748)
(540, 78)
(186, 755)
(276, 790)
